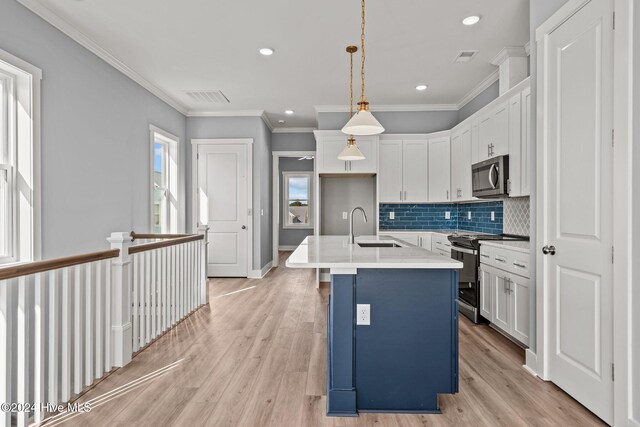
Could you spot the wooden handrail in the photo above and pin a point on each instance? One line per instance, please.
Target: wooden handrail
(54, 264)
(135, 236)
(165, 243)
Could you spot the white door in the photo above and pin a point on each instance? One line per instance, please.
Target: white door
(222, 204)
(390, 174)
(415, 155)
(439, 170)
(577, 187)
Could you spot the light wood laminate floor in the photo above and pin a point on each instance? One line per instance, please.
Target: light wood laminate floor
(255, 356)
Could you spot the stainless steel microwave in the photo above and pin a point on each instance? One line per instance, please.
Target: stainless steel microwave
(490, 178)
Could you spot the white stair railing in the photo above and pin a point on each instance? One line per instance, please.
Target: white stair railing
(65, 323)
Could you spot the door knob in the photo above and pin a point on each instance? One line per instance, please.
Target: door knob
(244, 227)
(549, 250)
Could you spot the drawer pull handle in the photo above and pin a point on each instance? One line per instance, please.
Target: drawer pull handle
(485, 256)
(500, 259)
(519, 265)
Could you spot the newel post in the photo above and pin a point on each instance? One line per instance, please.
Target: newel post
(204, 230)
(121, 332)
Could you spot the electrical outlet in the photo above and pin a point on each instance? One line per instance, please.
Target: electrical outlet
(345, 215)
(363, 313)
(392, 215)
(469, 215)
(447, 215)
(493, 216)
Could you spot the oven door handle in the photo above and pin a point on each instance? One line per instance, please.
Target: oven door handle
(465, 250)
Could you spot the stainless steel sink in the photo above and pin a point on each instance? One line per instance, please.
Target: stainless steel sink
(379, 245)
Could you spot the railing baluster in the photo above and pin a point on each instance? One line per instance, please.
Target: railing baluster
(135, 310)
(99, 322)
(23, 353)
(154, 293)
(54, 337)
(147, 310)
(108, 335)
(163, 305)
(181, 263)
(190, 282)
(143, 296)
(39, 351)
(5, 354)
(65, 354)
(77, 331)
(89, 342)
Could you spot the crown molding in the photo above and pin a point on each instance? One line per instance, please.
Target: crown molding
(389, 108)
(481, 87)
(509, 52)
(294, 130)
(54, 19)
(225, 113)
(527, 48)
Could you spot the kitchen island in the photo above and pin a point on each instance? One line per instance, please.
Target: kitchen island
(392, 324)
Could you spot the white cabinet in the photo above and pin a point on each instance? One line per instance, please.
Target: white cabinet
(486, 293)
(520, 295)
(329, 147)
(439, 169)
(519, 128)
(501, 300)
(425, 241)
(493, 131)
(525, 178)
(403, 170)
(461, 188)
(440, 244)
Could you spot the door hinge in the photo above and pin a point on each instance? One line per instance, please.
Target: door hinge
(613, 137)
(614, 20)
(613, 372)
(612, 255)
(197, 156)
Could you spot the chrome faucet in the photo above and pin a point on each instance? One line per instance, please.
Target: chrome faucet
(352, 238)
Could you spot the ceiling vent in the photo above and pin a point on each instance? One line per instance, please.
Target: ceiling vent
(466, 55)
(208, 96)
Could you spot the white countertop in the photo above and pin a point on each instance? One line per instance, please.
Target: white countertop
(335, 252)
(518, 246)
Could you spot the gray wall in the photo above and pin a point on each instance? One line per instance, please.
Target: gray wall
(635, 273)
(397, 122)
(293, 142)
(341, 194)
(242, 127)
(479, 102)
(95, 138)
(539, 11)
(291, 236)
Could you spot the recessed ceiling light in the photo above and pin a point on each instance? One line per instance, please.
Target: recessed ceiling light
(471, 20)
(281, 122)
(289, 112)
(266, 51)
(421, 87)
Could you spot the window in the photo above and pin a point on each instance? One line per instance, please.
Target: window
(164, 182)
(297, 209)
(19, 161)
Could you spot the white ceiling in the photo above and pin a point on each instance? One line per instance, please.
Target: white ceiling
(185, 45)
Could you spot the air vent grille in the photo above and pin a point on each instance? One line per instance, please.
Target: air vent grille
(208, 96)
(465, 55)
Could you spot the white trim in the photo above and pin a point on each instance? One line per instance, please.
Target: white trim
(275, 185)
(509, 52)
(287, 248)
(347, 271)
(531, 362)
(61, 24)
(479, 88)
(194, 187)
(293, 130)
(227, 113)
(175, 225)
(259, 274)
(389, 108)
(323, 277)
(569, 9)
(285, 175)
(527, 48)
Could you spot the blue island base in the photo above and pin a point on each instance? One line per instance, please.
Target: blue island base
(407, 356)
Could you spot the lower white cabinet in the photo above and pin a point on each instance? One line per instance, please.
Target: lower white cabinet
(505, 300)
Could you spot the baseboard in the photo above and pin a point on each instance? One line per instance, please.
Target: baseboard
(287, 248)
(531, 362)
(325, 277)
(259, 274)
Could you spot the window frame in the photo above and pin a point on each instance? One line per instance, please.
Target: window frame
(286, 175)
(172, 166)
(20, 156)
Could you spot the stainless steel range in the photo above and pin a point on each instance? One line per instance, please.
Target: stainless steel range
(465, 247)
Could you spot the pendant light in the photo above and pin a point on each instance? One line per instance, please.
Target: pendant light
(363, 123)
(351, 151)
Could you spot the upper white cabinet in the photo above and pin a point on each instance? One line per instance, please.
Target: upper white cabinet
(330, 144)
(519, 143)
(439, 170)
(461, 188)
(403, 170)
(493, 131)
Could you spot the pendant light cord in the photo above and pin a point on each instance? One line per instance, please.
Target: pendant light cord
(350, 84)
(362, 65)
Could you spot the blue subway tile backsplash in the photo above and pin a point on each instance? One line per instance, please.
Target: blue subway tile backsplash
(433, 217)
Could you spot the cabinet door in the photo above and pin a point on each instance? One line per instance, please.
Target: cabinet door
(500, 138)
(485, 136)
(439, 170)
(515, 146)
(456, 166)
(525, 180)
(369, 147)
(390, 173)
(486, 292)
(466, 188)
(415, 159)
(475, 141)
(520, 307)
(501, 300)
(328, 151)
(424, 241)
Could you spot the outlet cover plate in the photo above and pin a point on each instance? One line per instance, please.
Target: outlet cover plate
(392, 215)
(363, 314)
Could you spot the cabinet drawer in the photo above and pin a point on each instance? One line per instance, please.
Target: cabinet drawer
(506, 259)
(485, 255)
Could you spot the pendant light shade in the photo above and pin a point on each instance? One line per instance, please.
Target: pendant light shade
(351, 152)
(363, 124)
